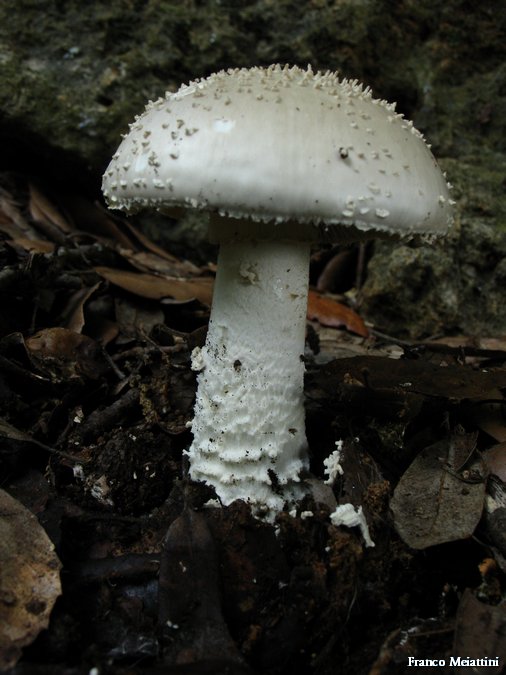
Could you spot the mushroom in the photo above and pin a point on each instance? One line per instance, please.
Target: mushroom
(281, 157)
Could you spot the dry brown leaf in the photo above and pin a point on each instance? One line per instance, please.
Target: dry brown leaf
(471, 350)
(12, 222)
(455, 383)
(64, 354)
(145, 261)
(29, 579)
(155, 287)
(33, 245)
(73, 314)
(93, 218)
(44, 212)
(9, 228)
(336, 270)
(148, 244)
(466, 341)
(328, 312)
(10, 212)
(437, 500)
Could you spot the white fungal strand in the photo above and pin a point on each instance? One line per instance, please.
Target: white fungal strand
(350, 516)
(332, 464)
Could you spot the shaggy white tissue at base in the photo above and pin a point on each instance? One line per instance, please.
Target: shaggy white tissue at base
(349, 517)
(249, 439)
(332, 464)
(197, 363)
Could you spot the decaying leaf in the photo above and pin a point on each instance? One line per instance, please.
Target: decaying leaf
(93, 218)
(475, 345)
(418, 376)
(62, 353)
(73, 313)
(146, 261)
(29, 579)
(47, 216)
(336, 270)
(479, 633)
(32, 245)
(141, 239)
(328, 312)
(12, 221)
(155, 288)
(440, 497)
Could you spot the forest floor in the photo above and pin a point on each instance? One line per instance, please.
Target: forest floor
(125, 570)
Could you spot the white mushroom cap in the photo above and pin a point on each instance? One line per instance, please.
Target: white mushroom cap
(282, 144)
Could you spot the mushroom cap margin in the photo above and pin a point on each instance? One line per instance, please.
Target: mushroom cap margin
(282, 144)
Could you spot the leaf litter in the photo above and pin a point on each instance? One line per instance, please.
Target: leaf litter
(29, 579)
(98, 324)
(440, 497)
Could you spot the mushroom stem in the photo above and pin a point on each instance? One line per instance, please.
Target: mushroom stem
(249, 425)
